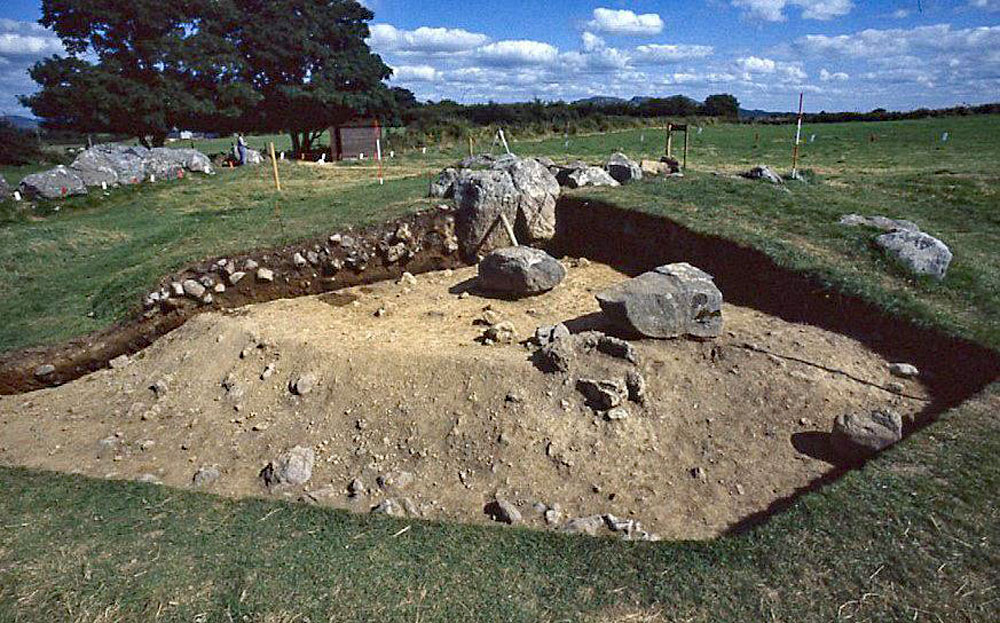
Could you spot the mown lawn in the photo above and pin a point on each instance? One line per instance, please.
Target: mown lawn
(911, 537)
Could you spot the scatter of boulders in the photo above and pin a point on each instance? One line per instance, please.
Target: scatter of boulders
(623, 169)
(112, 165)
(310, 268)
(562, 351)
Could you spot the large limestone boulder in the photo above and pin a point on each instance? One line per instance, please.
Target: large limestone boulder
(670, 301)
(590, 176)
(53, 184)
(879, 222)
(623, 168)
(127, 163)
(862, 435)
(521, 189)
(186, 158)
(520, 271)
(444, 186)
(921, 253)
(96, 176)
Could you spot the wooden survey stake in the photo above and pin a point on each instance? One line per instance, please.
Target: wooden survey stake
(274, 166)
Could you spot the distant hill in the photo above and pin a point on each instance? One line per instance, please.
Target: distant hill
(761, 114)
(601, 100)
(21, 122)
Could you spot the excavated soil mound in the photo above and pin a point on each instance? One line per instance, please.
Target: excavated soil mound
(409, 402)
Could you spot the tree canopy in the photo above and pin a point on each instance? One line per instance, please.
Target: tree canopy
(263, 65)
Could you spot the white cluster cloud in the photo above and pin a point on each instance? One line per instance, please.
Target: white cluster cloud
(752, 66)
(389, 38)
(520, 52)
(826, 75)
(872, 44)
(658, 53)
(988, 5)
(22, 44)
(27, 39)
(774, 10)
(624, 22)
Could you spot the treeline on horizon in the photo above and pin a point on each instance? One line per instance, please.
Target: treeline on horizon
(447, 120)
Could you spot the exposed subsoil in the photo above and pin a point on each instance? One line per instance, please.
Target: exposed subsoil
(403, 385)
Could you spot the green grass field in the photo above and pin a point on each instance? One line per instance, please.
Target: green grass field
(911, 537)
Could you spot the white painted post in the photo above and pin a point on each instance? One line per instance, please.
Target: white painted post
(798, 135)
(17, 195)
(503, 140)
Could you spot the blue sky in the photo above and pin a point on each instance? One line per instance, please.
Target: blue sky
(844, 54)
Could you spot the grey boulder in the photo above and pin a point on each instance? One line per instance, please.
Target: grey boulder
(291, 468)
(5, 191)
(444, 186)
(862, 435)
(524, 191)
(183, 158)
(127, 163)
(763, 172)
(53, 184)
(670, 301)
(879, 222)
(590, 176)
(921, 253)
(623, 168)
(520, 271)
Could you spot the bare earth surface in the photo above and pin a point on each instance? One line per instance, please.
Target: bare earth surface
(725, 430)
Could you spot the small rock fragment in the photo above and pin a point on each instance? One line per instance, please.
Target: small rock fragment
(503, 511)
(205, 476)
(291, 468)
(904, 370)
(303, 384)
(603, 395)
(265, 275)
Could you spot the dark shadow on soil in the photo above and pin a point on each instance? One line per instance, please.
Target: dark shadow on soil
(815, 444)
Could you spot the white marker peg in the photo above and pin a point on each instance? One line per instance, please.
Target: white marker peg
(17, 195)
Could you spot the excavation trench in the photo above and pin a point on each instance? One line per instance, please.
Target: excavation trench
(410, 404)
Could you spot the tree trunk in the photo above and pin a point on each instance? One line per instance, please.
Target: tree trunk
(159, 139)
(296, 145)
(144, 141)
(307, 141)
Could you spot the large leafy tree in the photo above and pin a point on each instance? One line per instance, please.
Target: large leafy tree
(722, 105)
(309, 62)
(139, 67)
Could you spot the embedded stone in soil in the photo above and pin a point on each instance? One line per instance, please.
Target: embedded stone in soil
(724, 427)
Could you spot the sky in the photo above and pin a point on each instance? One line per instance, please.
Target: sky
(844, 55)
